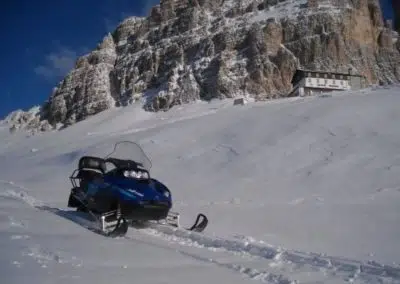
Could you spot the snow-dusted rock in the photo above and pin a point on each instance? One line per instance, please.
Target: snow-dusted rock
(29, 120)
(203, 49)
(87, 89)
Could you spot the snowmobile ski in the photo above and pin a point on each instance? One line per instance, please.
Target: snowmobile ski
(118, 224)
(120, 229)
(199, 225)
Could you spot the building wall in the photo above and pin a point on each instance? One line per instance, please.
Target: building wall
(329, 84)
(315, 83)
(310, 86)
(312, 91)
(357, 83)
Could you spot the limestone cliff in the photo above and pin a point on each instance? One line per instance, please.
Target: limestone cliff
(203, 49)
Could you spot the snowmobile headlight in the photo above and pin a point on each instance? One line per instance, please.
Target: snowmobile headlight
(136, 174)
(142, 175)
(166, 194)
(129, 174)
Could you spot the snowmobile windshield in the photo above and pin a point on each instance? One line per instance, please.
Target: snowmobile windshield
(127, 150)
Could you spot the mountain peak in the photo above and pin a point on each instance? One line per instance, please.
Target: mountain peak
(190, 50)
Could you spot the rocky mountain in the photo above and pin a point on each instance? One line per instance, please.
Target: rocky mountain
(188, 50)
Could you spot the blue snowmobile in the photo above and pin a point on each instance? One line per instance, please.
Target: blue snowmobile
(118, 191)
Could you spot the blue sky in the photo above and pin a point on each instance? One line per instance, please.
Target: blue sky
(42, 39)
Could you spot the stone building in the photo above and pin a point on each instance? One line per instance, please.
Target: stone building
(308, 82)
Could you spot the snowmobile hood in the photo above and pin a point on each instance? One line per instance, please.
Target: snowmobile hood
(144, 190)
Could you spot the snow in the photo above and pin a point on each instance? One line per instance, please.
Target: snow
(19, 114)
(298, 190)
(289, 8)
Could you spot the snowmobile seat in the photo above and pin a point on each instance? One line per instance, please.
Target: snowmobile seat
(91, 168)
(93, 164)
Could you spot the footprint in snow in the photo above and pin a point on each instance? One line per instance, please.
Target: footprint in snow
(318, 200)
(381, 191)
(45, 257)
(388, 189)
(19, 237)
(297, 201)
(15, 223)
(17, 263)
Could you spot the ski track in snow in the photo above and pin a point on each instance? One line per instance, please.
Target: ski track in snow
(252, 273)
(245, 246)
(46, 257)
(351, 269)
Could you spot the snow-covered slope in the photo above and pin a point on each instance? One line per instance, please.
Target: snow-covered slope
(303, 190)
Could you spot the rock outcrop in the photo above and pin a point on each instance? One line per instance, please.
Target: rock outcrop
(88, 89)
(28, 120)
(202, 49)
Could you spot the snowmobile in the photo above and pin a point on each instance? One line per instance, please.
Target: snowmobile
(117, 191)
